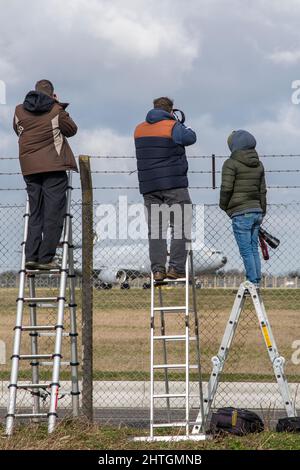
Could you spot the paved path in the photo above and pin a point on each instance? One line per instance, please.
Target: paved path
(135, 394)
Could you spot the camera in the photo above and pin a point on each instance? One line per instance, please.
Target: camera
(272, 241)
(179, 115)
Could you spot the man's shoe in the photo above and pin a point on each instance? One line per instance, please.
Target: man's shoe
(48, 266)
(159, 276)
(31, 265)
(173, 274)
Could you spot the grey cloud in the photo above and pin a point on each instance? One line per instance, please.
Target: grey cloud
(228, 64)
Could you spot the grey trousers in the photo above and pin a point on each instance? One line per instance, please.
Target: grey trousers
(170, 207)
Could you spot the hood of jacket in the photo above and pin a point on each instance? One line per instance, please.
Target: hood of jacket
(37, 102)
(156, 115)
(247, 157)
(241, 140)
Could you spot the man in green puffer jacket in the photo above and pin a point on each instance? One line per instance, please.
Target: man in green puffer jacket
(243, 197)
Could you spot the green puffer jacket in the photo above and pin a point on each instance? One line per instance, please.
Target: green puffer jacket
(243, 184)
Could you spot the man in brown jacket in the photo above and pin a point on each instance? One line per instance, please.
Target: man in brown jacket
(42, 125)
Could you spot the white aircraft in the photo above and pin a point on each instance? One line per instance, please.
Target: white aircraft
(119, 264)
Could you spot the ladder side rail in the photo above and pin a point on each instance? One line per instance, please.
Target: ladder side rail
(263, 320)
(267, 322)
(165, 355)
(34, 335)
(229, 333)
(187, 349)
(75, 392)
(18, 331)
(60, 314)
(198, 351)
(275, 358)
(219, 360)
(152, 359)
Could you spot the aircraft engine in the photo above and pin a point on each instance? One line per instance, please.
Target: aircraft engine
(112, 277)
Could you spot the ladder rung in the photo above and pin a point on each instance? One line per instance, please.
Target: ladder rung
(170, 425)
(169, 366)
(39, 299)
(46, 305)
(167, 280)
(169, 309)
(175, 424)
(38, 328)
(174, 338)
(35, 356)
(31, 415)
(50, 364)
(43, 271)
(170, 395)
(173, 366)
(33, 386)
(52, 334)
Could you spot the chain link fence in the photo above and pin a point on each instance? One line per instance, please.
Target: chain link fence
(121, 316)
(121, 309)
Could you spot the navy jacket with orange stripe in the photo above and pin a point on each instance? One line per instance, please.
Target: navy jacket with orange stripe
(160, 151)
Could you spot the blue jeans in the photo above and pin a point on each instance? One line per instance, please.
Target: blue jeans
(245, 229)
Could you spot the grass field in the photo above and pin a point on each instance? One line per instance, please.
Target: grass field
(121, 352)
(121, 331)
(72, 435)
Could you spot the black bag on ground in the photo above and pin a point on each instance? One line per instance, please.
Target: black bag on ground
(288, 424)
(236, 421)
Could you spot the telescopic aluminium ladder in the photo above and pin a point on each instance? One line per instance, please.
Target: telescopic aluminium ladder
(246, 289)
(65, 299)
(188, 314)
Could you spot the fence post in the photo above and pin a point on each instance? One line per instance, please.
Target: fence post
(87, 286)
(213, 170)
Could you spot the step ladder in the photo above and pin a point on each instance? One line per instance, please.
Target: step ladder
(65, 299)
(188, 314)
(246, 289)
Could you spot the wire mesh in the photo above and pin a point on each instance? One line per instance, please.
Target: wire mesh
(122, 312)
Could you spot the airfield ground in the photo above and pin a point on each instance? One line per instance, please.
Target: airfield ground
(121, 353)
(81, 436)
(121, 332)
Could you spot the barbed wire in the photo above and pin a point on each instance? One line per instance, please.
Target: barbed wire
(9, 158)
(286, 155)
(96, 203)
(101, 188)
(206, 172)
(130, 172)
(24, 189)
(190, 187)
(291, 155)
(12, 189)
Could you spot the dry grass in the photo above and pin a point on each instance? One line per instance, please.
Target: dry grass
(121, 330)
(79, 435)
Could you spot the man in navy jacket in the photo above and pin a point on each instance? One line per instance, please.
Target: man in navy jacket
(162, 171)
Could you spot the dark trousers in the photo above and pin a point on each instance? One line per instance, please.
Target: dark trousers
(171, 207)
(47, 201)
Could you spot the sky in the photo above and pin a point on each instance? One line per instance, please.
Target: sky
(228, 64)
